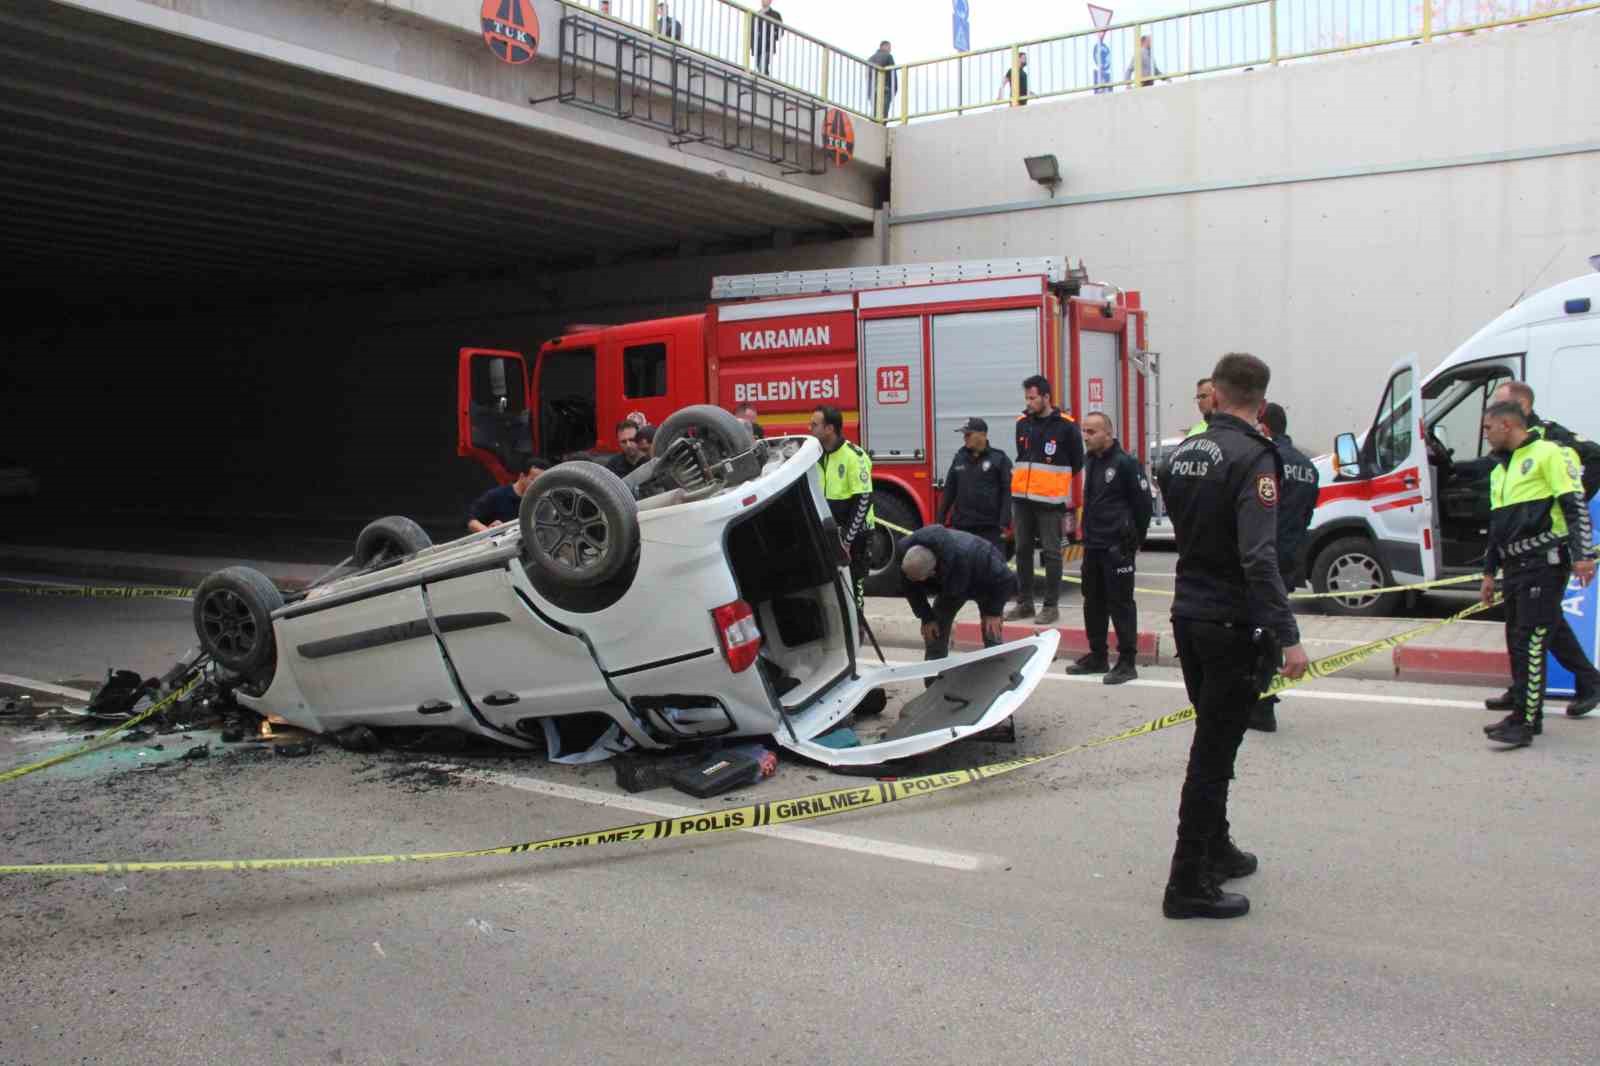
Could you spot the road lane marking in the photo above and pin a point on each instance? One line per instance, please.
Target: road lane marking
(885, 849)
(44, 686)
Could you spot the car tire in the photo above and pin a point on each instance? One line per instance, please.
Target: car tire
(580, 526)
(722, 435)
(882, 580)
(1350, 560)
(388, 540)
(233, 619)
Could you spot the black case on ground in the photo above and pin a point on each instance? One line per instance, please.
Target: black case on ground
(716, 774)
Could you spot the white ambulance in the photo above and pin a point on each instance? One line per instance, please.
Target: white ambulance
(1408, 501)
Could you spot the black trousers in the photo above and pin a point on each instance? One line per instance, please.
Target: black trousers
(1533, 617)
(1561, 642)
(1219, 672)
(1108, 596)
(1042, 522)
(858, 571)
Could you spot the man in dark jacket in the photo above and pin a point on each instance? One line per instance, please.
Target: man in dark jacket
(503, 504)
(882, 58)
(1049, 455)
(977, 490)
(1299, 500)
(1116, 517)
(954, 567)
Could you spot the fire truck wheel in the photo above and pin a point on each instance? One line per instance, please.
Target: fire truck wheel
(881, 578)
(233, 619)
(721, 435)
(580, 526)
(1352, 563)
(388, 540)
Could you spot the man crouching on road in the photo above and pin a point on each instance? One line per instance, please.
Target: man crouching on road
(955, 567)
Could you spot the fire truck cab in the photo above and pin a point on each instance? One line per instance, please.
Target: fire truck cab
(906, 352)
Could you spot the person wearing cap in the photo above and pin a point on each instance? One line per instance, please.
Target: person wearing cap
(977, 490)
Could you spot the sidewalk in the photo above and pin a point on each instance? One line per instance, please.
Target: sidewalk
(1467, 652)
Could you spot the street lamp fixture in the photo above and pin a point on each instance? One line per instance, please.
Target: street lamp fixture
(1045, 170)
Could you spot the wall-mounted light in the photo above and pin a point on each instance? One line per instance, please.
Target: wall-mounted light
(1045, 170)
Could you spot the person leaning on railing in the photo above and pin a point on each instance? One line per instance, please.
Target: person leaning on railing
(882, 58)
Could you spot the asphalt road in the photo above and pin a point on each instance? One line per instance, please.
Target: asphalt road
(1423, 897)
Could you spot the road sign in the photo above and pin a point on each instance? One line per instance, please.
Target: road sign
(1100, 16)
(1579, 605)
(961, 25)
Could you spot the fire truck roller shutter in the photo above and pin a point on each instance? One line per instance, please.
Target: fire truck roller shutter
(979, 361)
(892, 422)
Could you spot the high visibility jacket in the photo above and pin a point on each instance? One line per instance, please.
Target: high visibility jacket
(1197, 429)
(1536, 507)
(847, 483)
(1049, 453)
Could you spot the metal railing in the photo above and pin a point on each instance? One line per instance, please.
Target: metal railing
(1231, 36)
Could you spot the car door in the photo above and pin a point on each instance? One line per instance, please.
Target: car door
(492, 420)
(1399, 489)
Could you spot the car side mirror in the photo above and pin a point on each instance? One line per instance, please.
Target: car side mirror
(1346, 453)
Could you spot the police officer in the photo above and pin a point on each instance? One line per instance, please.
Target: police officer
(847, 483)
(1539, 535)
(1049, 455)
(977, 490)
(1116, 516)
(1229, 617)
(1204, 402)
(1300, 481)
(1563, 642)
(954, 566)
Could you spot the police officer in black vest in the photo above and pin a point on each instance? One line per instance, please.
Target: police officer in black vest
(1116, 517)
(1300, 483)
(977, 490)
(1230, 618)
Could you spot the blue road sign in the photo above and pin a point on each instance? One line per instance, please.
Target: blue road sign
(1579, 605)
(961, 27)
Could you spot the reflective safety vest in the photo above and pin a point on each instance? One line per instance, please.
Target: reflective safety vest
(846, 474)
(1048, 449)
(1525, 491)
(1197, 429)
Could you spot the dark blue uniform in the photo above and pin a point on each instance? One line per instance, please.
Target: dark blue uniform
(977, 494)
(1116, 517)
(497, 505)
(969, 568)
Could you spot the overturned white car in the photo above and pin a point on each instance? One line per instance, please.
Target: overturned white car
(701, 597)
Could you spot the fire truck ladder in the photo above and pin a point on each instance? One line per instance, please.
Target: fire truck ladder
(1056, 269)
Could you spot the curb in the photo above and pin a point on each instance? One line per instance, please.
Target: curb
(1457, 665)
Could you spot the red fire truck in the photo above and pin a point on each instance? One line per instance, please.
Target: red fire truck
(908, 353)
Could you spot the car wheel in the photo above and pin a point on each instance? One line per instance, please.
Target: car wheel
(233, 619)
(1351, 564)
(388, 540)
(580, 526)
(721, 436)
(881, 577)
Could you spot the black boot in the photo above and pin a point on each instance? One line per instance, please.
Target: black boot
(1193, 892)
(1090, 664)
(1511, 720)
(1502, 702)
(1263, 717)
(1228, 862)
(1123, 671)
(1583, 702)
(1517, 733)
(1023, 609)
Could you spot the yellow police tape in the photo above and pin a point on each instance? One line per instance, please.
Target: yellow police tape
(751, 816)
(104, 738)
(1075, 551)
(100, 592)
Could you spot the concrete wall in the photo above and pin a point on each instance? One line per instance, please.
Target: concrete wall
(1330, 216)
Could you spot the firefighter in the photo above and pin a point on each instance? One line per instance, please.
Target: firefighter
(1539, 535)
(977, 490)
(1563, 642)
(1230, 616)
(955, 566)
(1049, 455)
(1205, 402)
(1300, 480)
(1116, 516)
(847, 483)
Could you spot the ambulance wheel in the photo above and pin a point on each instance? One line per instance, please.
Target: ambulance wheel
(388, 540)
(233, 619)
(1352, 563)
(882, 580)
(721, 435)
(580, 526)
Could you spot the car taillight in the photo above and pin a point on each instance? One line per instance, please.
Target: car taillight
(741, 638)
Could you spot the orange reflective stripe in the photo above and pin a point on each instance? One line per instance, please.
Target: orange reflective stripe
(1042, 482)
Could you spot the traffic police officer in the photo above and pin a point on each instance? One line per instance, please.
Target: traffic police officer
(1563, 642)
(977, 490)
(1049, 455)
(1204, 402)
(1539, 535)
(1300, 481)
(955, 566)
(1116, 516)
(1229, 617)
(847, 483)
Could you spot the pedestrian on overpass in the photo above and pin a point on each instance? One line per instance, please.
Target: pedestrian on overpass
(1116, 517)
(1563, 642)
(1299, 500)
(847, 483)
(1230, 617)
(1049, 456)
(502, 504)
(764, 35)
(1205, 401)
(881, 63)
(953, 566)
(977, 491)
(1539, 535)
